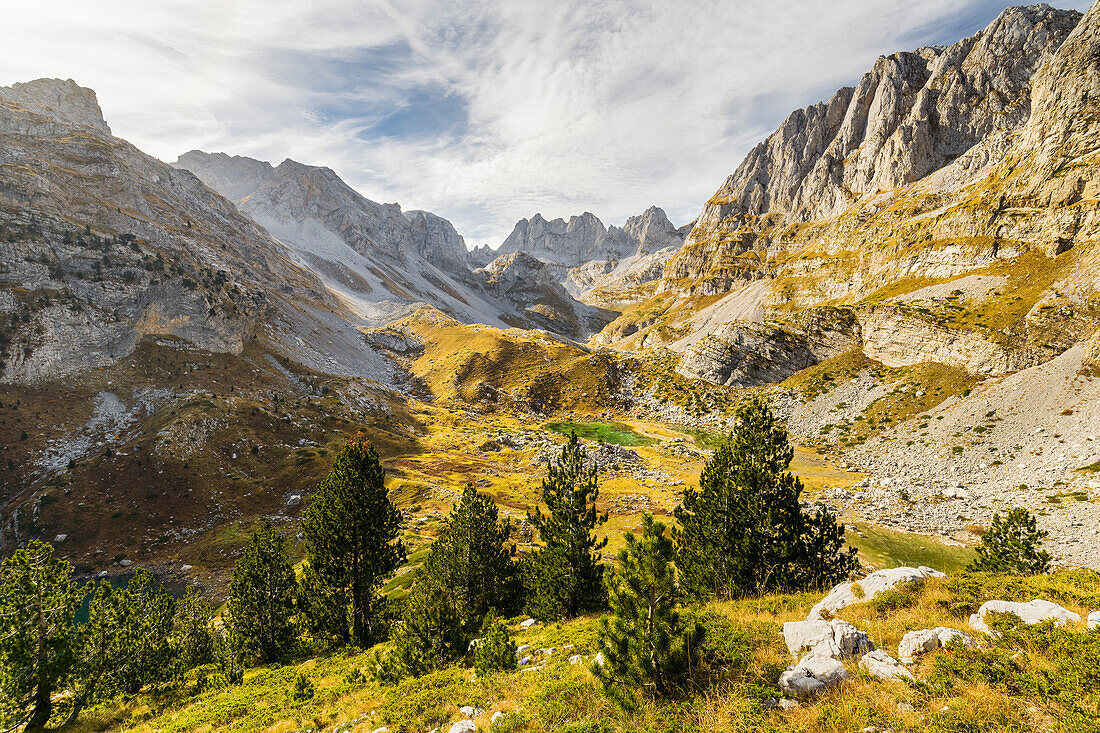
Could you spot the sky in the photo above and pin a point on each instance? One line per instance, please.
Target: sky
(482, 112)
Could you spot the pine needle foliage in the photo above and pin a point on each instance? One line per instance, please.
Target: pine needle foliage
(353, 546)
(261, 595)
(645, 644)
(494, 651)
(38, 600)
(564, 577)
(474, 559)
(743, 531)
(1013, 545)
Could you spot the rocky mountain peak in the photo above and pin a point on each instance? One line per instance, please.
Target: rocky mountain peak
(62, 100)
(653, 231)
(910, 115)
(234, 176)
(585, 239)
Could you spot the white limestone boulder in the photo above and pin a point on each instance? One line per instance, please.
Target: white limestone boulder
(915, 643)
(835, 639)
(846, 594)
(470, 711)
(881, 665)
(463, 726)
(1094, 620)
(1031, 612)
(811, 676)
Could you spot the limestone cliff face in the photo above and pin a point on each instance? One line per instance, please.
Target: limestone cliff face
(912, 114)
(941, 162)
(750, 354)
(532, 285)
(584, 239)
(102, 245)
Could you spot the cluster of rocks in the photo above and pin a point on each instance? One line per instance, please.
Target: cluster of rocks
(822, 642)
(604, 456)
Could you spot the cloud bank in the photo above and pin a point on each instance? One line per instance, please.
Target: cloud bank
(483, 112)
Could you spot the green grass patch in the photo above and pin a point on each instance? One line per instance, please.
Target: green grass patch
(886, 548)
(705, 439)
(1093, 467)
(607, 432)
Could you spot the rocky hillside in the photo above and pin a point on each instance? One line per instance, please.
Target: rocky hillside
(941, 163)
(383, 262)
(912, 270)
(598, 264)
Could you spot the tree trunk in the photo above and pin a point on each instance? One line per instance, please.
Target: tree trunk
(43, 707)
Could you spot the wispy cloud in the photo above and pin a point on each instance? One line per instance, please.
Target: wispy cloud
(483, 112)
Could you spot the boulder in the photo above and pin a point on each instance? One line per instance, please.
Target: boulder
(1032, 612)
(1094, 620)
(528, 623)
(845, 594)
(522, 650)
(811, 676)
(470, 711)
(496, 716)
(881, 665)
(835, 639)
(463, 726)
(915, 643)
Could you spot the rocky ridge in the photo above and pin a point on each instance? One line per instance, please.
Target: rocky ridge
(599, 264)
(383, 262)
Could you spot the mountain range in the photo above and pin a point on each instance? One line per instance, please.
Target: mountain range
(913, 262)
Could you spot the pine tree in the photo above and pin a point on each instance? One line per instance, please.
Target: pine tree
(192, 633)
(146, 612)
(472, 558)
(645, 644)
(261, 595)
(565, 576)
(428, 636)
(124, 644)
(494, 651)
(1012, 545)
(352, 542)
(744, 531)
(38, 601)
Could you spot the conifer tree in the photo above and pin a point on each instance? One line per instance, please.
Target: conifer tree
(192, 633)
(427, 637)
(565, 576)
(261, 595)
(744, 531)
(495, 651)
(645, 644)
(146, 612)
(124, 644)
(469, 572)
(38, 601)
(473, 558)
(1013, 544)
(352, 538)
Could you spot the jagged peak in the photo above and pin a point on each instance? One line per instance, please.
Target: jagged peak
(59, 99)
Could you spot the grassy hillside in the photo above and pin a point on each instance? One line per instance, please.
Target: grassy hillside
(1037, 680)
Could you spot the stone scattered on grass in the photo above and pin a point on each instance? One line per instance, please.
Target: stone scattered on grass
(1094, 620)
(881, 665)
(463, 726)
(812, 675)
(915, 643)
(1031, 612)
(835, 639)
(470, 711)
(845, 594)
(528, 623)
